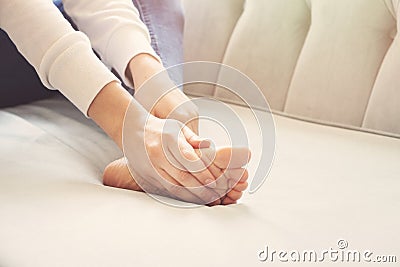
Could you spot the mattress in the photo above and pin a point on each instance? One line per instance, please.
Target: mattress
(328, 189)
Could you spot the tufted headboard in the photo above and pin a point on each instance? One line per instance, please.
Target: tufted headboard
(330, 61)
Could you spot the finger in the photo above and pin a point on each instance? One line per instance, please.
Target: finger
(227, 179)
(190, 161)
(194, 140)
(182, 193)
(183, 178)
(184, 110)
(230, 179)
(191, 183)
(194, 126)
(221, 182)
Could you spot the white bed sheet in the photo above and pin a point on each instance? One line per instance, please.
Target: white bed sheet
(326, 184)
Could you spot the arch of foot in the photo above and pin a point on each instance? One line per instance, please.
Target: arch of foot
(321, 59)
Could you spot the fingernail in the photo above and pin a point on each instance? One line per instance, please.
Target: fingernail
(204, 143)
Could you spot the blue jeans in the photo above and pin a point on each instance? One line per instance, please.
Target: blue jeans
(165, 21)
(19, 83)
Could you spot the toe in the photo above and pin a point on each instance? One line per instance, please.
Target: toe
(241, 186)
(236, 176)
(228, 201)
(235, 195)
(215, 203)
(231, 158)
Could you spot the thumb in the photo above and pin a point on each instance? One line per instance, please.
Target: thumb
(194, 140)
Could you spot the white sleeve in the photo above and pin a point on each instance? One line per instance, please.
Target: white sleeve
(115, 30)
(62, 56)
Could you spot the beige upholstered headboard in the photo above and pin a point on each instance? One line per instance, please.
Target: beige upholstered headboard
(331, 61)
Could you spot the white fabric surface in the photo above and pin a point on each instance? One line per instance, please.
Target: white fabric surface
(326, 183)
(62, 56)
(334, 61)
(216, 24)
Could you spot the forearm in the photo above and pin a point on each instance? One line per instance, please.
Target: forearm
(62, 57)
(114, 29)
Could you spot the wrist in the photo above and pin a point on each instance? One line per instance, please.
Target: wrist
(142, 67)
(108, 110)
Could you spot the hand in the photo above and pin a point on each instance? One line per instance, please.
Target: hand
(176, 105)
(147, 142)
(162, 155)
(157, 93)
(232, 181)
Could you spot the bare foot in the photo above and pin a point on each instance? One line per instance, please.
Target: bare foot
(227, 165)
